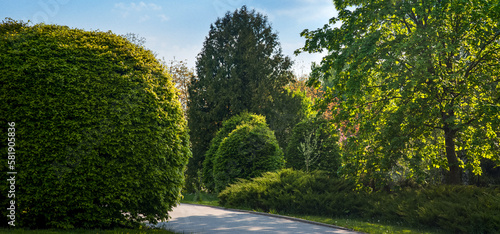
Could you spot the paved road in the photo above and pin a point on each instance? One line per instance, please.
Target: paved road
(188, 218)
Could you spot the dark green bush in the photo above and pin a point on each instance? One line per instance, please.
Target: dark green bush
(455, 209)
(458, 209)
(227, 127)
(293, 191)
(100, 134)
(313, 146)
(246, 152)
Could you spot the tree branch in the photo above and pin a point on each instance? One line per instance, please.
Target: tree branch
(474, 64)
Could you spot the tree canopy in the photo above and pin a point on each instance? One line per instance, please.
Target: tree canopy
(313, 145)
(181, 76)
(420, 79)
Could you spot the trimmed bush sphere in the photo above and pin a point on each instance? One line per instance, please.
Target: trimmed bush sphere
(247, 152)
(100, 136)
(227, 127)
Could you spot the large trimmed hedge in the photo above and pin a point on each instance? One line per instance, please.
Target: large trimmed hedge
(100, 136)
(248, 151)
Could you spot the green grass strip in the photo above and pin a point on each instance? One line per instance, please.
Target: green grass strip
(372, 227)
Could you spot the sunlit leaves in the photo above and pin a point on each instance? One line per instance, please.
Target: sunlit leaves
(102, 130)
(406, 72)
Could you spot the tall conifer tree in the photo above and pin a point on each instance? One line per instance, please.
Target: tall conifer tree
(240, 68)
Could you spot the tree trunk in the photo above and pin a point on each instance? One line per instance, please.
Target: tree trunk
(454, 175)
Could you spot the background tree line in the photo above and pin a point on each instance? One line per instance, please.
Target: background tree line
(410, 90)
(408, 95)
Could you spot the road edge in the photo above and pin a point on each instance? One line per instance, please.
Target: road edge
(278, 216)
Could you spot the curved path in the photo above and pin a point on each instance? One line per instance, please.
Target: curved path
(187, 218)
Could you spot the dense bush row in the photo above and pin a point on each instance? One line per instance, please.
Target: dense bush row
(457, 209)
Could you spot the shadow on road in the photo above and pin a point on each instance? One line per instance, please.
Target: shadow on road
(188, 218)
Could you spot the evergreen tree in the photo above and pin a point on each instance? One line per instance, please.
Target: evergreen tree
(240, 68)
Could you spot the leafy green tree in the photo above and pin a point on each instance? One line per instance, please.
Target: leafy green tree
(419, 78)
(313, 146)
(248, 151)
(100, 138)
(240, 68)
(181, 76)
(288, 108)
(135, 39)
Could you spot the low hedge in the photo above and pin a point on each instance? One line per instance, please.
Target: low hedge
(454, 209)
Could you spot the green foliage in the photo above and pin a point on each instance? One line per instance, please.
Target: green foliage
(415, 80)
(288, 108)
(455, 209)
(100, 136)
(201, 198)
(240, 68)
(292, 191)
(248, 151)
(459, 209)
(227, 127)
(181, 76)
(313, 146)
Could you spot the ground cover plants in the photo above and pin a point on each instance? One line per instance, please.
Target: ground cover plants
(453, 209)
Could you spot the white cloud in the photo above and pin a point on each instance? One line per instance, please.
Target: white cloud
(309, 10)
(163, 17)
(270, 17)
(141, 6)
(139, 11)
(144, 18)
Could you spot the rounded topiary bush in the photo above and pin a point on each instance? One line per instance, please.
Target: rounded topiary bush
(227, 127)
(100, 138)
(247, 152)
(313, 146)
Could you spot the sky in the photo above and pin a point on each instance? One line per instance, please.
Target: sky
(177, 29)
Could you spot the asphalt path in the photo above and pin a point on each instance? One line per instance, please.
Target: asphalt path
(187, 218)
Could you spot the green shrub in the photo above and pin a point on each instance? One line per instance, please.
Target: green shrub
(100, 134)
(246, 152)
(293, 191)
(227, 127)
(459, 209)
(454, 209)
(313, 146)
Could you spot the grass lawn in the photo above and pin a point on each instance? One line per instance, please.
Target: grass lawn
(83, 231)
(202, 198)
(367, 226)
(374, 226)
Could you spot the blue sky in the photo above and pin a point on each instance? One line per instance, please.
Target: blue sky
(177, 28)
